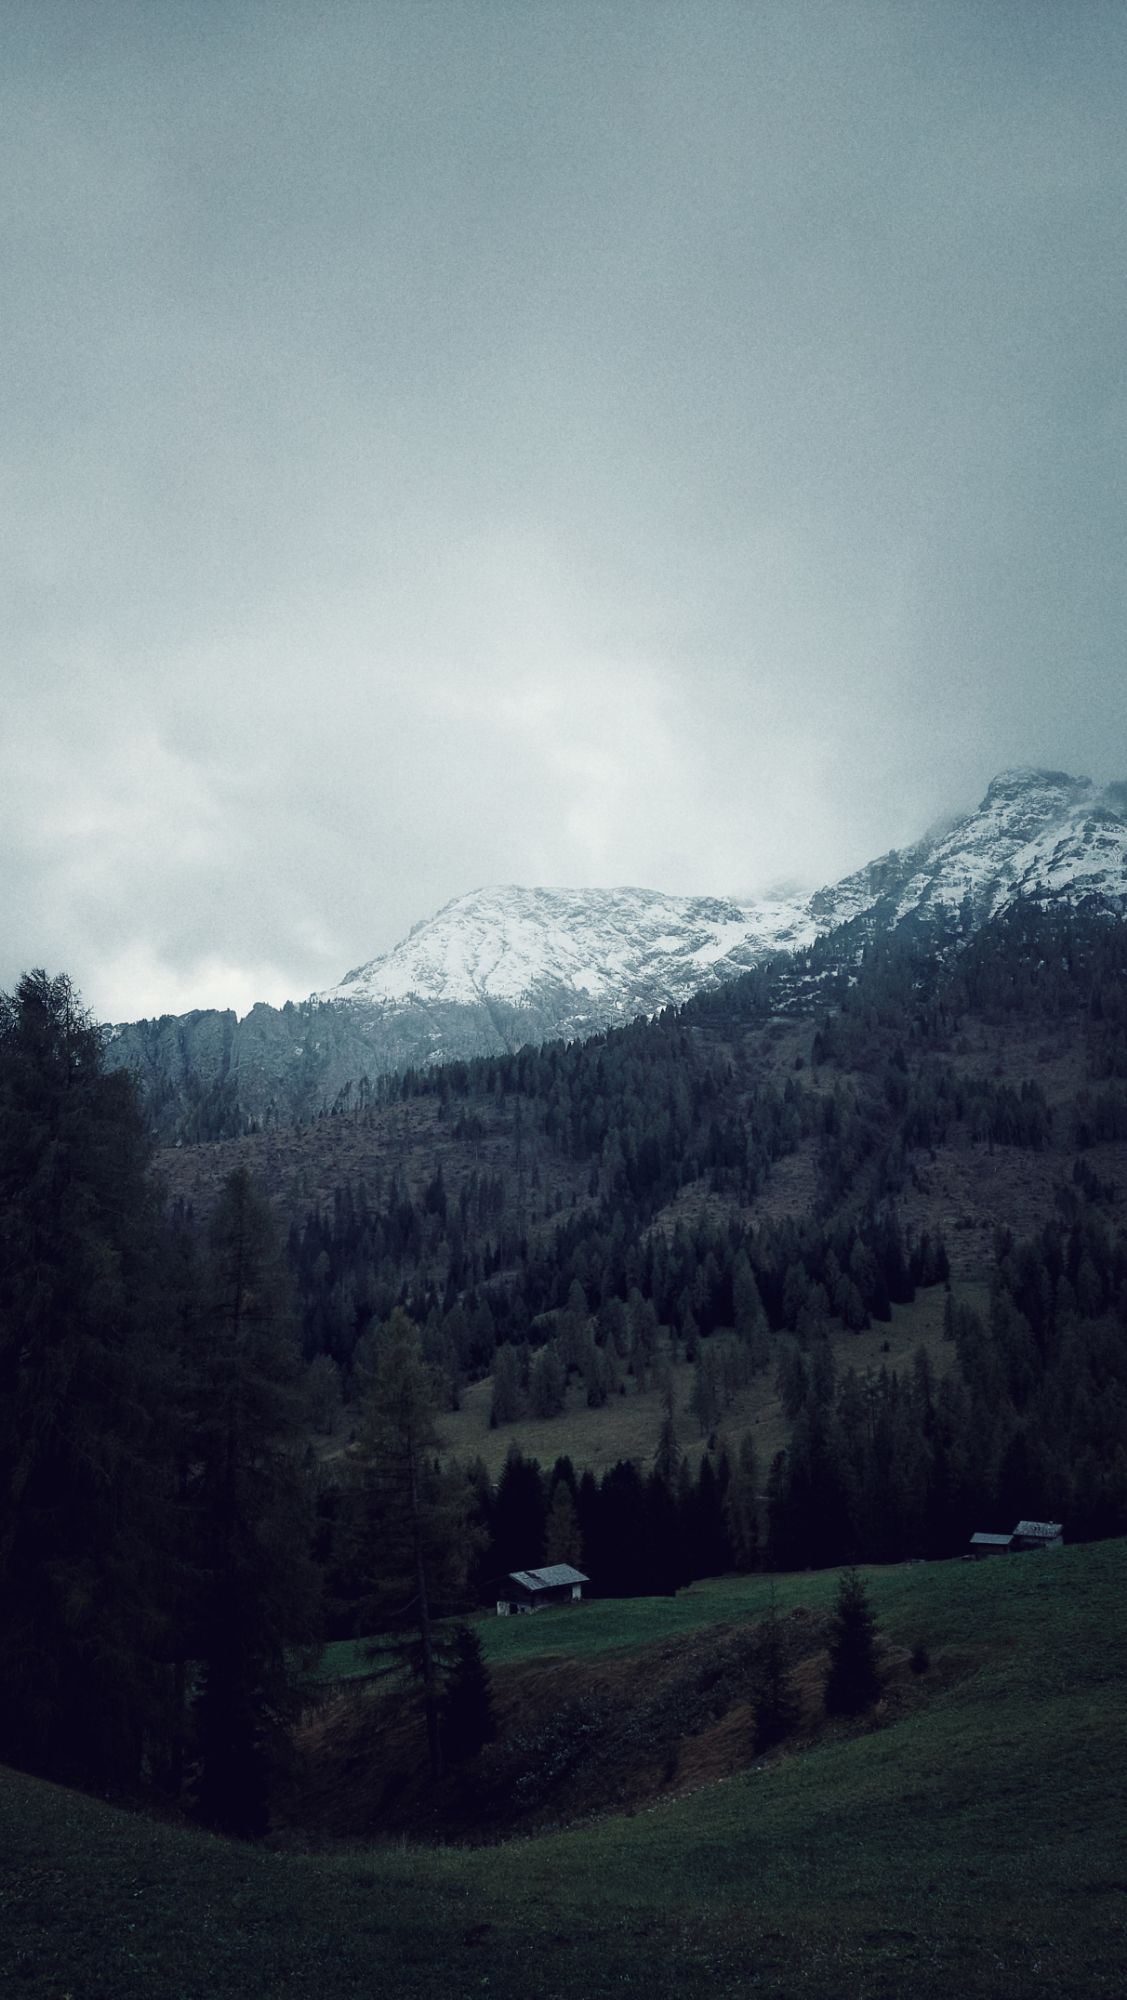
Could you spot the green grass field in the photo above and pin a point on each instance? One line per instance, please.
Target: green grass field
(976, 1843)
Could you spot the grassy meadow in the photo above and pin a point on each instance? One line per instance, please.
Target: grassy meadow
(974, 1840)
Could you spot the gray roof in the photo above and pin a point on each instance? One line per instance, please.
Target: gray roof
(551, 1578)
(1042, 1531)
(991, 1541)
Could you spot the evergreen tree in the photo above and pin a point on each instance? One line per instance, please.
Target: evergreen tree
(853, 1681)
(708, 1549)
(741, 1506)
(468, 1721)
(519, 1511)
(508, 1396)
(563, 1541)
(410, 1518)
(547, 1382)
(667, 1457)
(82, 1491)
(623, 1553)
(256, 1596)
(776, 1705)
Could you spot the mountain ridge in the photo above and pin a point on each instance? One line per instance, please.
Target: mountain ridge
(502, 966)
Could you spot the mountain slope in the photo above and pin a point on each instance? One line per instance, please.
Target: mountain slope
(501, 967)
(609, 951)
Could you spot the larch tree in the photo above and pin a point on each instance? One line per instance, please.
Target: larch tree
(409, 1518)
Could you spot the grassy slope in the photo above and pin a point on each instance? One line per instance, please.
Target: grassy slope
(979, 1842)
(629, 1426)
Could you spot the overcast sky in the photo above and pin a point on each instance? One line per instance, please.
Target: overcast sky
(454, 441)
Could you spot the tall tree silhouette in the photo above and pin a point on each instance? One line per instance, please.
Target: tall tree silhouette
(249, 1494)
(853, 1681)
(409, 1518)
(80, 1487)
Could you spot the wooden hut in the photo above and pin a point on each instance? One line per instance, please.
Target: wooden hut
(1038, 1535)
(533, 1589)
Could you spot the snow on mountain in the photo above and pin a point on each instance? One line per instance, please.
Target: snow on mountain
(599, 954)
(504, 966)
(625, 950)
(1036, 833)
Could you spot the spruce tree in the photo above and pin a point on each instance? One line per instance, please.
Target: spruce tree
(741, 1506)
(519, 1516)
(248, 1501)
(563, 1542)
(468, 1721)
(776, 1706)
(853, 1681)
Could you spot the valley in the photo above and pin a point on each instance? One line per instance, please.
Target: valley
(824, 1267)
(974, 1836)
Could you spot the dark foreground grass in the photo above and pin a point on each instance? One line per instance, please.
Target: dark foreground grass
(976, 1846)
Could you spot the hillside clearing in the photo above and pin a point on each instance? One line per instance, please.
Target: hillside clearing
(977, 1843)
(629, 1426)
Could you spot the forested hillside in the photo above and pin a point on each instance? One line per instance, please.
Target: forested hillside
(229, 1374)
(743, 1185)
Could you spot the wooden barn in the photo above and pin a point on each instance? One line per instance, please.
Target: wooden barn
(1038, 1535)
(533, 1589)
(1027, 1535)
(991, 1545)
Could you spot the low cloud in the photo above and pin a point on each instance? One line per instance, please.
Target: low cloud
(568, 446)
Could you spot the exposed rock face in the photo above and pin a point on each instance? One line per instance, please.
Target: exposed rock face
(504, 966)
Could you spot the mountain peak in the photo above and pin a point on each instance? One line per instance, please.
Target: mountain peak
(597, 951)
(505, 965)
(1020, 781)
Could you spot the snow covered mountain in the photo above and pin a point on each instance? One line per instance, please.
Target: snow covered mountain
(599, 952)
(592, 955)
(504, 966)
(1037, 834)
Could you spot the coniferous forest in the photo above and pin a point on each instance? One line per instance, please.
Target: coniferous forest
(225, 1370)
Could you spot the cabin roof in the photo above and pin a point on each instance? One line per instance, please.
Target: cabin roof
(551, 1578)
(1045, 1531)
(991, 1541)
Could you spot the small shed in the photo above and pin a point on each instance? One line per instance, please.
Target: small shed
(532, 1589)
(1038, 1535)
(990, 1545)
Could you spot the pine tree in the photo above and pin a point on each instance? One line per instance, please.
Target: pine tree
(776, 1705)
(563, 1542)
(82, 1492)
(667, 1457)
(468, 1721)
(853, 1681)
(519, 1515)
(508, 1396)
(249, 1503)
(741, 1506)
